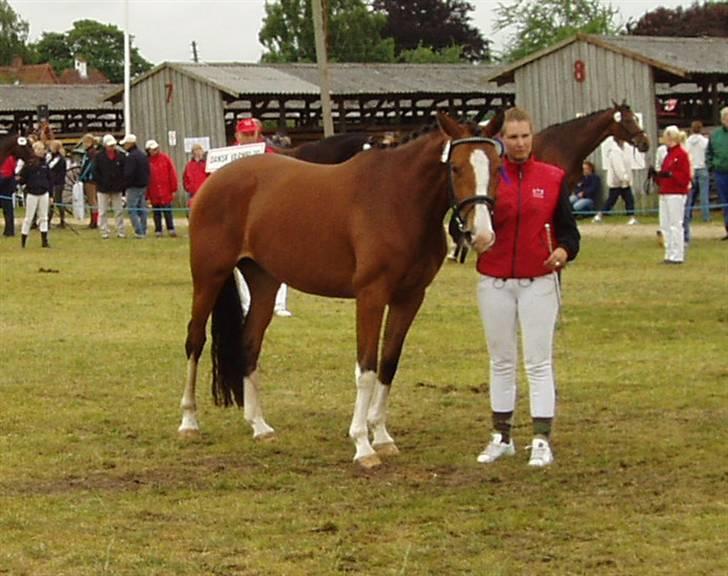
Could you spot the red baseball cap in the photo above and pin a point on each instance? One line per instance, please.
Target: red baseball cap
(247, 126)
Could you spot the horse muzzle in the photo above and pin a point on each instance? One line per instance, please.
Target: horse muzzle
(480, 242)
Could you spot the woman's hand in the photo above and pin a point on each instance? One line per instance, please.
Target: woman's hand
(557, 259)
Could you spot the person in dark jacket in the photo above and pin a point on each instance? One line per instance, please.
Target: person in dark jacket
(588, 190)
(136, 179)
(57, 165)
(36, 175)
(88, 164)
(109, 178)
(535, 235)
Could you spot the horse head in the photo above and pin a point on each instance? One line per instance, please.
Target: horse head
(626, 127)
(473, 158)
(17, 146)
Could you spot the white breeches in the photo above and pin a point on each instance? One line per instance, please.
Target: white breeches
(672, 214)
(35, 204)
(532, 304)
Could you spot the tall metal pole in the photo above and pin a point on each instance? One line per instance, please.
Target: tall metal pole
(127, 71)
(323, 66)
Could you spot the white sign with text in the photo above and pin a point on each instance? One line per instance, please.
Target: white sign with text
(218, 157)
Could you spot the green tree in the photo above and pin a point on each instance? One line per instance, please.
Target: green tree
(435, 24)
(102, 45)
(538, 24)
(706, 19)
(427, 55)
(353, 32)
(13, 35)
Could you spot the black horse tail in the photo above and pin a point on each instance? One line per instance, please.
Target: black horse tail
(228, 355)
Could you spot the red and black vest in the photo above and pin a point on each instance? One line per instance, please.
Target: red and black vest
(528, 195)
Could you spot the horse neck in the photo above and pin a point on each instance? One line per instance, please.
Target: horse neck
(424, 185)
(579, 138)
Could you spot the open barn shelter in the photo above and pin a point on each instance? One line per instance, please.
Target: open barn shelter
(177, 101)
(71, 109)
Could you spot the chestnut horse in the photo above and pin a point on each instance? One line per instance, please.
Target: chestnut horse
(15, 145)
(369, 228)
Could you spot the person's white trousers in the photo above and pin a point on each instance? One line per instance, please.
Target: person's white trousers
(114, 201)
(531, 304)
(672, 214)
(35, 204)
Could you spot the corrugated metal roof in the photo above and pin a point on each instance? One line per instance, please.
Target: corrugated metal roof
(694, 55)
(239, 79)
(58, 97)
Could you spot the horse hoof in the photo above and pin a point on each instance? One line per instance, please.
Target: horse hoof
(188, 433)
(388, 449)
(369, 462)
(265, 437)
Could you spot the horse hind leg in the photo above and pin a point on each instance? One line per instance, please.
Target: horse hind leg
(262, 290)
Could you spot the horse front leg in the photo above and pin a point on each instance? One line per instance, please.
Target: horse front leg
(400, 316)
(369, 314)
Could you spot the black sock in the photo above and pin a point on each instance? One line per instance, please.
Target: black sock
(502, 422)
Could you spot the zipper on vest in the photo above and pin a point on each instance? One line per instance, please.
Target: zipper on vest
(518, 222)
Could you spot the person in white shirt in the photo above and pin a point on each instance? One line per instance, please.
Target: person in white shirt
(619, 180)
(697, 145)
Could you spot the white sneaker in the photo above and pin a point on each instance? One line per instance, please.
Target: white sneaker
(597, 218)
(496, 448)
(541, 454)
(632, 221)
(283, 313)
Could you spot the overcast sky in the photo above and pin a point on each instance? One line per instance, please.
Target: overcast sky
(225, 30)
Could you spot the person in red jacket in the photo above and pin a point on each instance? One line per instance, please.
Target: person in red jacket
(194, 174)
(7, 189)
(535, 235)
(674, 181)
(161, 188)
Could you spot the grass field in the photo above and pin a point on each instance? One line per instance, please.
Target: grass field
(93, 479)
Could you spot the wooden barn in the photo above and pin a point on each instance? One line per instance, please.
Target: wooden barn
(175, 102)
(585, 73)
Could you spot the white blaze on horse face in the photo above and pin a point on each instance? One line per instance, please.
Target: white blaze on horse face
(483, 234)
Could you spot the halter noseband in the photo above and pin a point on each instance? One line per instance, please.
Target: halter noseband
(457, 207)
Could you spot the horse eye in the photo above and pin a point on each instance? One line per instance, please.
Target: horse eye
(456, 170)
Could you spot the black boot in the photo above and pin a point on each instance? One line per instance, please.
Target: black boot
(44, 240)
(23, 240)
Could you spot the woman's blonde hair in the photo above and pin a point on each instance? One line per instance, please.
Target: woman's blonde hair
(672, 132)
(38, 146)
(56, 146)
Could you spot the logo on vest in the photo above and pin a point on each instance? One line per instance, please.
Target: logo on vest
(538, 192)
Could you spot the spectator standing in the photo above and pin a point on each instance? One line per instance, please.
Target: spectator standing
(73, 173)
(250, 131)
(57, 163)
(7, 190)
(88, 164)
(162, 187)
(36, 175)
(619, 180)
(588, 190)
(697, 146)
(136, 179)
(109, 178)
(518, 287)
(717, 162)
(673, 180)
(194, 173)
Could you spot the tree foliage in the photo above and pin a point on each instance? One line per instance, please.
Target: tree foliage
(706, 19)
(538, 24)
(426, 55)
(354, 32)
(436, 24)
(13, 34)
(102, 45)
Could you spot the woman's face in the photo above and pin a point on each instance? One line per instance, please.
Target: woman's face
(517, 140)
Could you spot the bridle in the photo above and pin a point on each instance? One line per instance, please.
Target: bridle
(631, 135)
(458, 207)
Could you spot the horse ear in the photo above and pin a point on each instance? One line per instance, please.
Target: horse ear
(494, 125)
(614, 103)
(448, 125)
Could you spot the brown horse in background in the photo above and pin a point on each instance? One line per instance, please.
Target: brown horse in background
(369, 228)
(569, 143)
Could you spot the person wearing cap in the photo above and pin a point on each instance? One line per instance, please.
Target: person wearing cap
(136, 179)
(250, 131)
(194, 174)
(162, 187)
(109, 177)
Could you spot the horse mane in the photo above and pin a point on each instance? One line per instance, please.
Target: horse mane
(569, 123)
